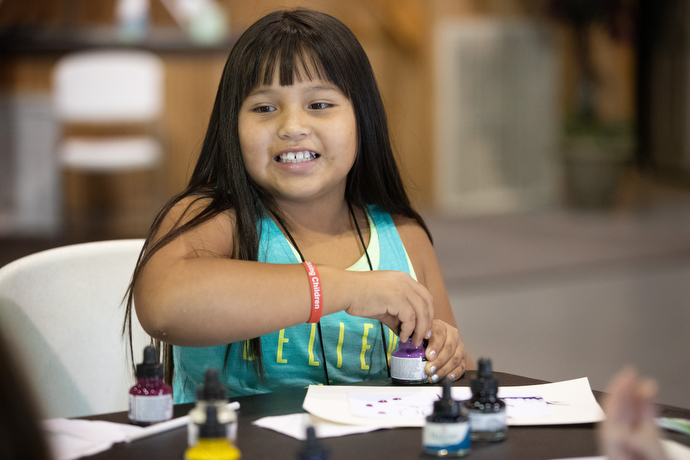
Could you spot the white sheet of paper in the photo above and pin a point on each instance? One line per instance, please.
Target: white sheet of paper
(569, 402)
(583, 458)
(673, 450)
(393, 405)
(522, 403)
(295, 426)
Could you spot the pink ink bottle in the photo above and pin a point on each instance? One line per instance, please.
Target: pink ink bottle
(408, 363)
(150, 400)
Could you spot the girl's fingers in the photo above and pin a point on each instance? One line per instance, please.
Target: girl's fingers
(406, 328)
(423, 308)
(396, 299)
(445, 352)
(455, 365)
(437, 340)
(416, 314)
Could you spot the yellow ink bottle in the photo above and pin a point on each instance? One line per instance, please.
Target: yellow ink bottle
(213, 393)
(213, 443)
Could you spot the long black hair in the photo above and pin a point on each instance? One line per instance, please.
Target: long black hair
(297, 44)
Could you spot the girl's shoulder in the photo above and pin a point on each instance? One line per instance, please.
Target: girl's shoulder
(191, 206)
(213, 235)
(417, 244)
(409, 229)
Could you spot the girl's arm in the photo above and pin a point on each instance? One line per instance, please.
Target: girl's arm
(191, 293)
(446, 353)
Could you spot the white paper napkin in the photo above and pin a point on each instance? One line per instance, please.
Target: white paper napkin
(72, 439)
(295, 425)
(674, 451)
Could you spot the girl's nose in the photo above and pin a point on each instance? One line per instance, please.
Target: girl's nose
(293, 124)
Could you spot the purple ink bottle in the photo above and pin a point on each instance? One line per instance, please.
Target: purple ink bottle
(408, 362)
(150, 400)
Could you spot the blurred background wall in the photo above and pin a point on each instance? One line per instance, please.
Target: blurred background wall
(478, 92)
(545, 141)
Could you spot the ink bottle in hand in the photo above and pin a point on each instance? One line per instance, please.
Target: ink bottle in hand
(408, 363)
(213, 443)
(447, 430)
(150, 400)
(211, 394)
(486, 412)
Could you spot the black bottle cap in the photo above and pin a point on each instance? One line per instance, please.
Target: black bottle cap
(212, 390)
(485, 385)
(150, 368)
(312, 449)
(211, 428)
(447, 406)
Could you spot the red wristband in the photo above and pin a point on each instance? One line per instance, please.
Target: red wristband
(315, 284)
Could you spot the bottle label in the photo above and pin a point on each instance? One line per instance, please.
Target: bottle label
(407, 368)
(482, 421)
(193, 432)
(448, 436)
(150, 408)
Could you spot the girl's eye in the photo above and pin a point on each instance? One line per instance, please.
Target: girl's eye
(264, 109)
(319, 105)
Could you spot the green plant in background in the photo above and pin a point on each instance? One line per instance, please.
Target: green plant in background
(616, 16)
(596, 152)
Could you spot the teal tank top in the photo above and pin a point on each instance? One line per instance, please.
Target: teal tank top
(292, 356)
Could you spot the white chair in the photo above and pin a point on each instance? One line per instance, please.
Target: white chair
(61, 311)
(109, 105)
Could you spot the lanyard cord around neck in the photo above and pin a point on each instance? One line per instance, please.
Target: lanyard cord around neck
(371, 268)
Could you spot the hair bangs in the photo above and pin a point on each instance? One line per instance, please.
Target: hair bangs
(295, 55)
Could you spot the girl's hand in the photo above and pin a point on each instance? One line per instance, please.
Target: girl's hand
(395, 299)
(629, 431)
(445, 353)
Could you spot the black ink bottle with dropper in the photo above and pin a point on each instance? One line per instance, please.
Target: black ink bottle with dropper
(311, 448)
(447, 431)
(486, 412)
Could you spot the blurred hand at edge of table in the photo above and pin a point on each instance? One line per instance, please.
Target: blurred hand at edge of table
(629, 431)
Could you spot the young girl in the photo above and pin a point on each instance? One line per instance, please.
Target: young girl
(296, 166)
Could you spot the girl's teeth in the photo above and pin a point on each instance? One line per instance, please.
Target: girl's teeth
(298, 157)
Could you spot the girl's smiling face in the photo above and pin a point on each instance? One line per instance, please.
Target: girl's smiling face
(300, 141)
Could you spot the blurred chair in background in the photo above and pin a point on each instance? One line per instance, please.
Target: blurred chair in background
(61, 312)
(109, 106)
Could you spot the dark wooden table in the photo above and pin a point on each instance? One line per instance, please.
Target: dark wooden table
(529, 443)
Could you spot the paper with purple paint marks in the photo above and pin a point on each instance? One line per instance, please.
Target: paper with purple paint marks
(392, 405)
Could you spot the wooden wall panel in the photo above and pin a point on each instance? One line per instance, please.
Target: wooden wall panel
(191, 85)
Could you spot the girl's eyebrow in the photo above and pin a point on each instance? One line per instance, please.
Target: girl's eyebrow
(309, 89)
(323, 88)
